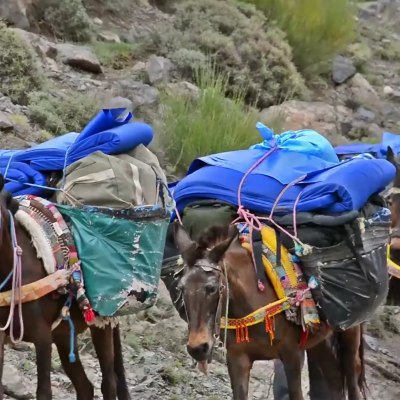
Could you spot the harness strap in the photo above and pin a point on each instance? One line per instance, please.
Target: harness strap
(258, 251)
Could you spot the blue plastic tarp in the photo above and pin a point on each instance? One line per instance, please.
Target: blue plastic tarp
(378, 150)
(109, 131)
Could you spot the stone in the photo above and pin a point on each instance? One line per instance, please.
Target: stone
(80, 57)
(158, 69)
(388, 90)
(14, 384)
(342, 70)
(118, 102)
(139, 67)
(362, 91)
(109, 37)
(319, 116)
(185, 89)
(5, 122)
(52, 64)
(14, 12)
(97, 21)
(363, 114)
(40, 44)
(140, 93)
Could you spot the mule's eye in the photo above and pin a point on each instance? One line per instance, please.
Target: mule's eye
(211, 289)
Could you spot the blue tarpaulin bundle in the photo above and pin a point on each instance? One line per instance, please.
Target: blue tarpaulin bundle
(109, 132)
(328, 186)
(378, 150)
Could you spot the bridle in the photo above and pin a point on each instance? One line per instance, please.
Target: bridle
(207, 266)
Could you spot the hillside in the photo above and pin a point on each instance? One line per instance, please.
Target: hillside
(202, 73)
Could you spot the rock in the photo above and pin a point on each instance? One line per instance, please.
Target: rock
(14, 384)
(5, 122)
(139, 67)
(159, 69)
(321, 117)
(14, 12)
(362, 91)
(40, 44)
(52, 64)
(343, 69)
(80, 57)
(364, 115)
(185, 89)
(388, 90)
(97, 21)
(140, 93)
(118, 102)
(109, 37)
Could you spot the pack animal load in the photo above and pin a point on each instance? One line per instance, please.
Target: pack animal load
(97, 206)
(313, 224)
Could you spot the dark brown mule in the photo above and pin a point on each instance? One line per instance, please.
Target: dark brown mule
(39, 315)
(393, 198)
(203, 286)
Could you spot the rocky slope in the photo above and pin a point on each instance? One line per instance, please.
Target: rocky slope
(358, 102)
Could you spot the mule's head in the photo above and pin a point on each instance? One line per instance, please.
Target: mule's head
(394, 203)
(202, 285)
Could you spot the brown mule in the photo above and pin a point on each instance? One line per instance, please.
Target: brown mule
(218, 263)
(39, 315)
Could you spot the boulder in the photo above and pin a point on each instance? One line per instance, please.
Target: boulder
(342, 70)
(362, 91)
(14, 12)
(324, 118)
(140, 93)
(80, 57)
(109, 37)
(159, 69)
(184, 89)
(5, 122)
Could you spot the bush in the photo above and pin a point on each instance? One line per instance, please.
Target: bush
(18, 71)
(316, 29)
(253, 54)
(188, 61)
(207, 124)
(61, 115)
(66, 19)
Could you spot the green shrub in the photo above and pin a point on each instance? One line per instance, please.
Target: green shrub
(66, 19)
(18, 71)
(207, 124)
(61, 115)
(118, 7)
(188, 61)
(316, 29)
(241, 43)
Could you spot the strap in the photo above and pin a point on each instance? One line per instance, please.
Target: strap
(258, 251)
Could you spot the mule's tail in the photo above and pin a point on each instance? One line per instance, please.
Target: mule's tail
(342, 345)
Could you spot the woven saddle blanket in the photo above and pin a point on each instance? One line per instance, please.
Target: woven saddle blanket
(286, 277)
(54, 244)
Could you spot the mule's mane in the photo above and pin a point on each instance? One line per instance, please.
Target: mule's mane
(213, 236)
(8, 200)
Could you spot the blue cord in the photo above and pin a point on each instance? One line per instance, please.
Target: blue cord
(72, 357)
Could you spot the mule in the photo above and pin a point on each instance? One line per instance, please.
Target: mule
(39, 315)
(219, 270)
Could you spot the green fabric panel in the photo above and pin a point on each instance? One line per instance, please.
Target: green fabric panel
(121, 251)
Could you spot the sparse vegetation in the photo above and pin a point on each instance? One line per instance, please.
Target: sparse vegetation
(209, 123)
(316, 29)
(241, 43)
(65, 19)
(18, 71)
(61, 115)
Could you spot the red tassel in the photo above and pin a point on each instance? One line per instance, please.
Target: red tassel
(89, 315)
(304, 337)
(261, 287)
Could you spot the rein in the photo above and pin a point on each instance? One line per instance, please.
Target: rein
(16, 274)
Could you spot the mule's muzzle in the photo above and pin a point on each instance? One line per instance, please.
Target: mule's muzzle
(200, 352)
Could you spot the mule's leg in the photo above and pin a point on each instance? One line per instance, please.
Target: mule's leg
(75, 371)
(2, 340)
(43, 341)
(291, 358)
(104, 345)
(122, 387)
(350, 343)
(239, 366)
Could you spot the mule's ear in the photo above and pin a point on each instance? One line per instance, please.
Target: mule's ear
(217, 253)
(1, 182)
(390, 156)
(181, 238)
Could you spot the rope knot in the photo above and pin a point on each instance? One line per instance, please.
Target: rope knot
(18, 250)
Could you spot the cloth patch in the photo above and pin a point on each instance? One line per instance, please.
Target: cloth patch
(286, 278)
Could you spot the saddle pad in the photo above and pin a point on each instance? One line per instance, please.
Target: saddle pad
(286, 278)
